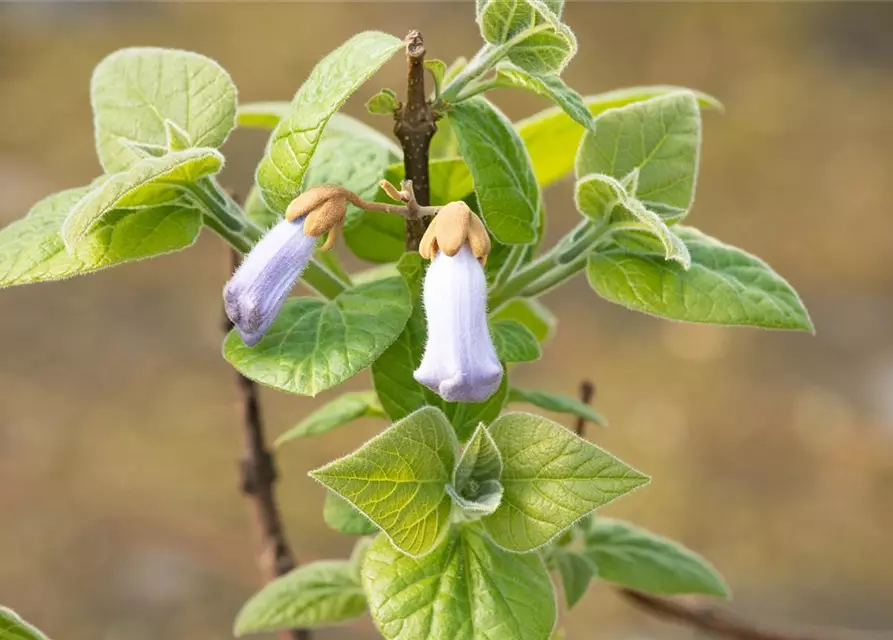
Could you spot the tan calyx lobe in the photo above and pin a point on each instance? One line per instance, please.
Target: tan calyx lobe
(454, 226)
(324, 209)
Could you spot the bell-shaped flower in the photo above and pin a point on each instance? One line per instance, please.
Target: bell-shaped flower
(255, 294)
(460, 362)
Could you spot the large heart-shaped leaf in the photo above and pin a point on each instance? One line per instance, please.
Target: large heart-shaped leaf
(724, 285)
(552, 478)
(31, 249)
(316, 344)
(280, 173)
(140, 95)
(398, 480)
(466, 589)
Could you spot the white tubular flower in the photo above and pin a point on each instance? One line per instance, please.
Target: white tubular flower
(460, 363)
(255, 294)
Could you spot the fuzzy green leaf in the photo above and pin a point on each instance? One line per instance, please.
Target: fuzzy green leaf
(576, 574)
(313, 595)
(139, 94)
(257, 210)
(466, 589)
(552, 137)
(638, 559)
(724, 285)
(530, 313)
(503, 178)
(552, 478)
(437, 69)
(316, 344)
(476, 488)
(341, 516)
(342, 410)
(280, 173)
(660, 137)
(383, 103)
(12, 627)
(514, 342)
(557, 403)
(551, 87)
(31, 249)
(398, 480)
(147, 182)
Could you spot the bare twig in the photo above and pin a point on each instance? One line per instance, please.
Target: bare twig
(258, 475)
(414, 127)
(708, 618)
(411, 209)
(695, 614)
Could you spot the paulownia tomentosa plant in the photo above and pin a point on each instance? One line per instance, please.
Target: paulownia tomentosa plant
(462, 507)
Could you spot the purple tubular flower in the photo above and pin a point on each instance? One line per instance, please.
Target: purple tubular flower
(258, 289)
(460, 363)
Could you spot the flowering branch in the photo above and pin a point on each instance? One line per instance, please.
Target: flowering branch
(411, 209)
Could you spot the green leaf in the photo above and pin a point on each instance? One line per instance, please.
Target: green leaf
(341, 516)
(552, 478)
(503, 179)
(148, 182)
(332, 81)
(466, 589)
(548, 86)
(316, 344)
(262, 115)
(437, 69)
(552, 137)
(480, 461)
(530, 313)
(138, 93)
(557, 403)
(598, 195)
(12, 627)
(576, 573)
(383, 103)
(313, 595)
(638, 559)
(398, 480)
(535, 38)
(660, 137)
(724, 285)
(392, 373)
(177, 139)
(342, 410)
(476, 488)
(31, 249)
(514, 342)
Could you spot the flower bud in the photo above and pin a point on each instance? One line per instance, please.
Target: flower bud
(258, 289)
(460, 363)
(324, 208)
(455, 226)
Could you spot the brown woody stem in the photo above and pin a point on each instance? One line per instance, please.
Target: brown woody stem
(414, 127)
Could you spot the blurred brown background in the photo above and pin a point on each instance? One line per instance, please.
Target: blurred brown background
(772, 453)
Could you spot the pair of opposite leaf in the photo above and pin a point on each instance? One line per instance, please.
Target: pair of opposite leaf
(459, 363)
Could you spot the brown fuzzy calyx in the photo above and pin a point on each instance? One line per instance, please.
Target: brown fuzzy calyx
(324, 208)
(453, 226)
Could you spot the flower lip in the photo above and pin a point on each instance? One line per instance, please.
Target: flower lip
(255, 294)
(460, 363)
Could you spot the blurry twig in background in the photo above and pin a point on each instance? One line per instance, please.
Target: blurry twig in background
(414, 127)
(692, 613)
(258, 477)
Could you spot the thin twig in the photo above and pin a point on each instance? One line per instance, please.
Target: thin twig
(258, 475)
(695, 614)
(708, 618)
(411, 209)
(414, 127)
